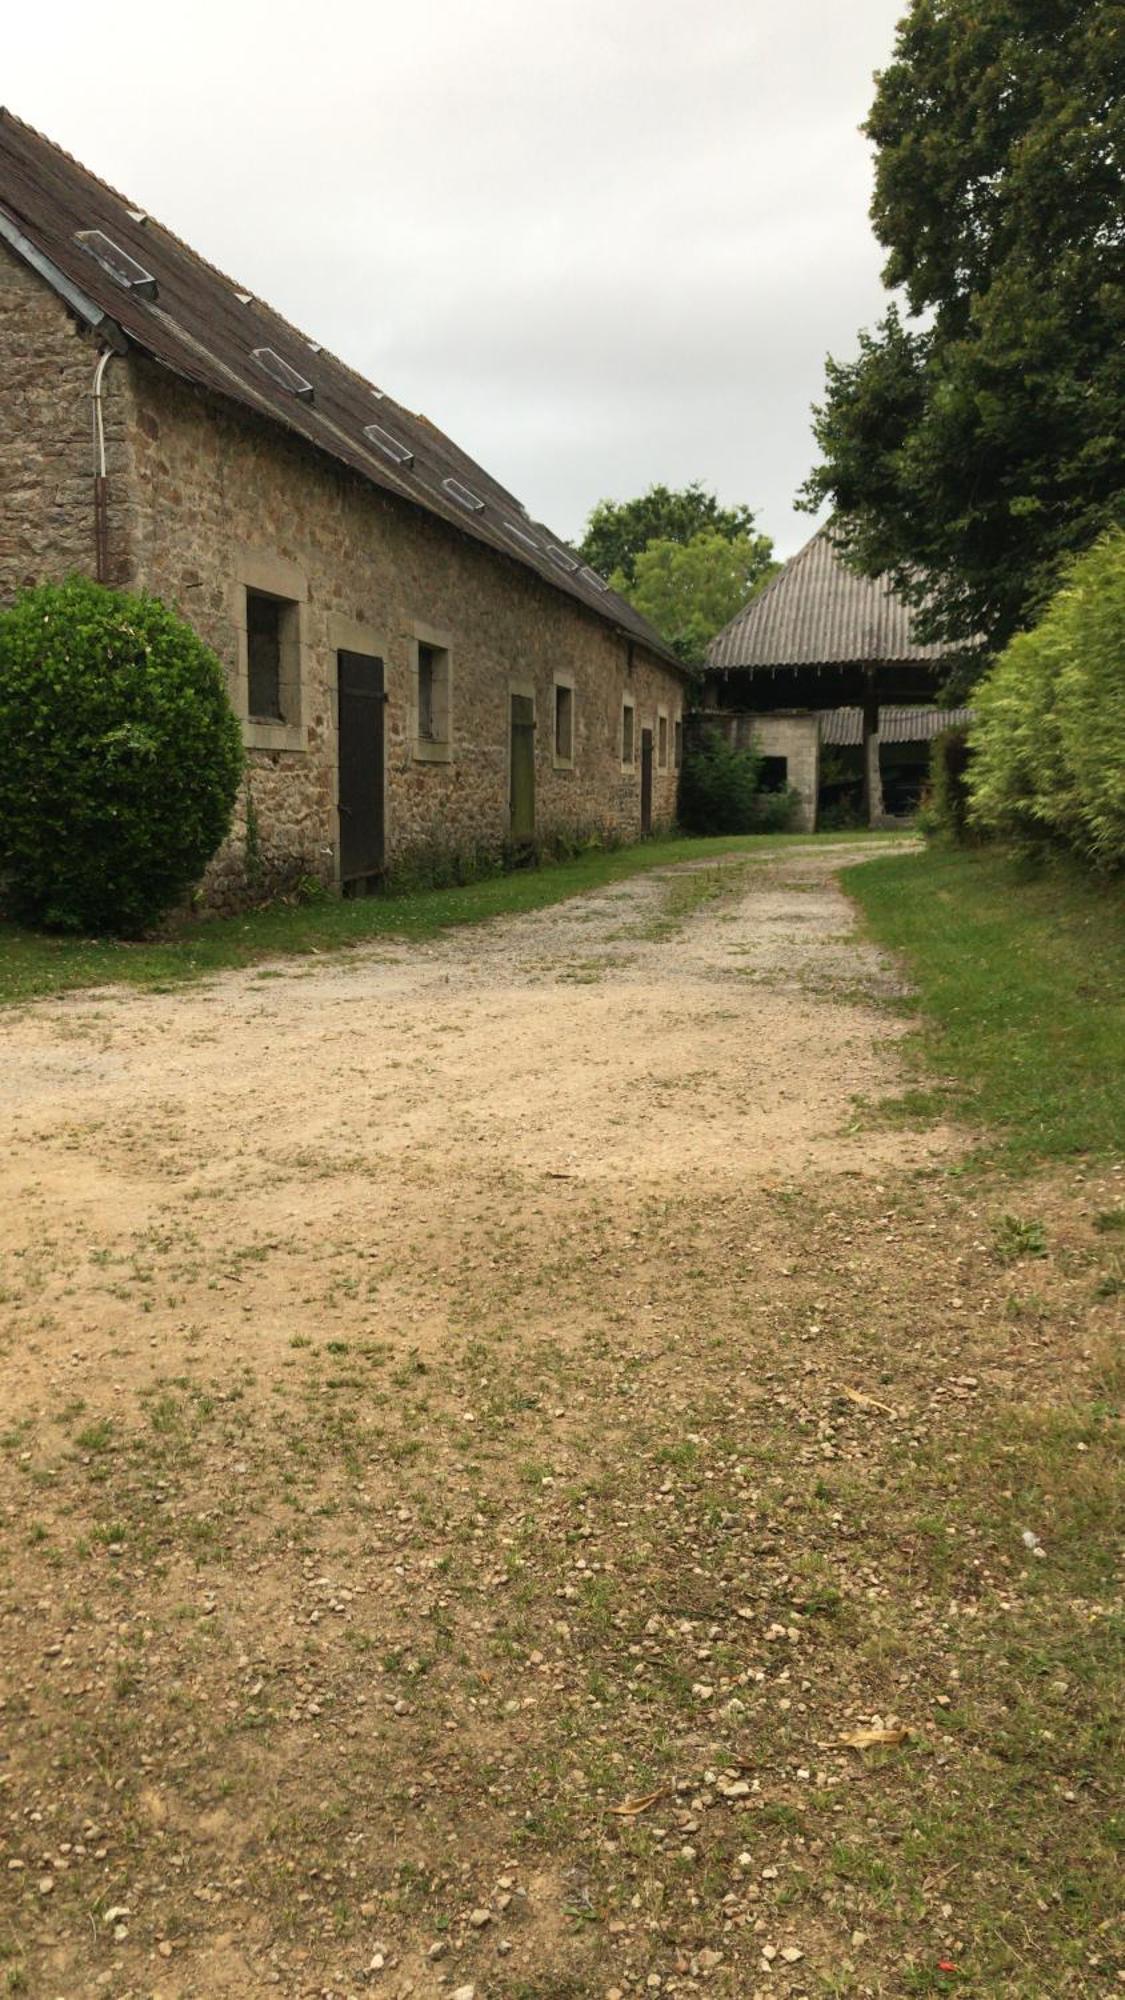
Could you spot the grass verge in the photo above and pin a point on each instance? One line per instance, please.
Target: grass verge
(1018, 978)
(32, 964)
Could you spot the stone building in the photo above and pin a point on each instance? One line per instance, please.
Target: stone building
(416, 663)
(818, 645)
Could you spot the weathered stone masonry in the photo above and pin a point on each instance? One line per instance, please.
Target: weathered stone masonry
(206, 500)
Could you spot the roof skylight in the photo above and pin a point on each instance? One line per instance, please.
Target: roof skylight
(589, 575)
(279, 371)
(521, 535)
(562, 558)
(122, 268)
(391, 447)
(464, 494)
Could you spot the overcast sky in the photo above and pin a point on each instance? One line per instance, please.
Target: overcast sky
(600, 244)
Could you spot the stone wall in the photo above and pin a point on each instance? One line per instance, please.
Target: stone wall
(226, 501)
(46, 448)
(206, 501)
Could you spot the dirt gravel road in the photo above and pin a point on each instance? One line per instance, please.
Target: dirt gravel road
(409, 1359)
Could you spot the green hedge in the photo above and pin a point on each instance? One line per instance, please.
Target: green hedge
(120, 758)
(1048, 742)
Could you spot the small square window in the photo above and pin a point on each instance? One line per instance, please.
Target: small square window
(662, 742)
(628, 733)
(564, 723)
(264, 636)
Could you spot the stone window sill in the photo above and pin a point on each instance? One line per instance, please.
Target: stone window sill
(260, 734)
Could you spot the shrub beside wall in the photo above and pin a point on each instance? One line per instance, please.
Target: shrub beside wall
(120, 758)
(720, 790)
(718, 785)
(1048, 742)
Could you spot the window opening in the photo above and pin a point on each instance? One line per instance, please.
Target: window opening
(427, 674)
(390, 446)
(263, 654)
(122, 268)
(464, 494)
(628, 733)
(277, 368)
(564, 722)
(521, 535)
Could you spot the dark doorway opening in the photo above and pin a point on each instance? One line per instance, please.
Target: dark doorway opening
(361, 709)
(521, 802)
(646, 783)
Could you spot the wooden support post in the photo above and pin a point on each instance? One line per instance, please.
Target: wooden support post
(872, 777)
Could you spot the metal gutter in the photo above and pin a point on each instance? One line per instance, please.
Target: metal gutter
(85, 308)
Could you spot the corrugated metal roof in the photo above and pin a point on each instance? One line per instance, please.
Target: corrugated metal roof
(842, 728)
(816, 613)
(206, 329)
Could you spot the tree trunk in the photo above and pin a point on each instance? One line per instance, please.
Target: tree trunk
(872, 778)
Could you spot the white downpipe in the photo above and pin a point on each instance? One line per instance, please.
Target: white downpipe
(101, 490)
(99, 427)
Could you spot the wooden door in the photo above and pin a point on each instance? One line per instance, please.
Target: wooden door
(646, 783)
(522, 795)
(361, 734)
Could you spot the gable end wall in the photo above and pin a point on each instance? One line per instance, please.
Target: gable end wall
(46, 451)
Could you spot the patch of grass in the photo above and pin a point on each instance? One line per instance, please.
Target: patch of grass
(32, 965)
(1020, 986)
(1013, 1238)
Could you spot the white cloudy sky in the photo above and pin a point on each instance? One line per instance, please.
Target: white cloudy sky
(601, 244)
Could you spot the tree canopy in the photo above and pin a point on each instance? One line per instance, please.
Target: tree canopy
(618, 530)
(972, 450)
(689, 590)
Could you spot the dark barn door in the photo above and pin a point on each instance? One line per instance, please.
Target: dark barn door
(522, 801)
(646, 782)
(361, 708)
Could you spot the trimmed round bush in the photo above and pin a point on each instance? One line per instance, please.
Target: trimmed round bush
(120, 758)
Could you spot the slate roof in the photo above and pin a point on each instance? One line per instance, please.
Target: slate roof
(818, 613)
(205, 328)
(842, 728)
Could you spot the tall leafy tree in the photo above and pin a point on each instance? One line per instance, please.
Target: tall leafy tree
(689, 590)
(978, 439)
(618, 530)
